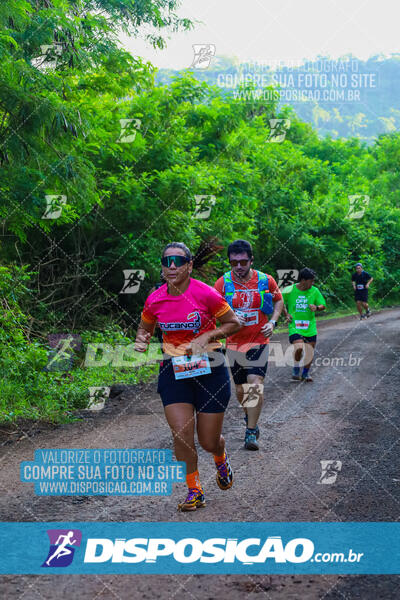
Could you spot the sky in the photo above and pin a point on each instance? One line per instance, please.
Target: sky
(285, 30)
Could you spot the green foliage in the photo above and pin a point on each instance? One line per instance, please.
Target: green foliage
(27, 390)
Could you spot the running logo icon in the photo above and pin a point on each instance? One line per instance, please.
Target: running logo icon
(287, 277)
(278, 131)
(63, 543)
(251, 394)
(203, 206)
(133, 279)
(203, 53)
(357, 206)
(330, 470)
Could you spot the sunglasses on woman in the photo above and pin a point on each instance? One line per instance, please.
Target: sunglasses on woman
(242, 263)
(178, 260)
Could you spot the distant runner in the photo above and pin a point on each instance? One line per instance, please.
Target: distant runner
(193, 379)
(253, 295)
(361, 281)
(303, 300)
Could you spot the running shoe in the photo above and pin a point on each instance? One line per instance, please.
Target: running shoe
(307, 379)
(224, 474)
(246, 420)
(368, 314)
(250, 440)
(296, 377)
(194, 499)
(362, 317)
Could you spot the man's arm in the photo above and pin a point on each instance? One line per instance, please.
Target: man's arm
(269, 327)
(317, 307)
(285, 311)
(369, 282)
(278, 307)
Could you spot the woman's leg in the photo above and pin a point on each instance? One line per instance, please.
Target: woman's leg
(209, 427)
(180, 417)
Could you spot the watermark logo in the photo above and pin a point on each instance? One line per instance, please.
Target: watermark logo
(54, 206)
(97, 397)
(50, 55)
(192, 550)
(133, 279)
(287, 277)
(330, 470)
(129, 129)
(279, 128)
(204, 205)
(63, 346)
(63, 543)
(357, 206)
(252, 393)
(338, 361)
(203, 54)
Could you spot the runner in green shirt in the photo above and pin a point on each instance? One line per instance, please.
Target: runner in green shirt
(302, 301)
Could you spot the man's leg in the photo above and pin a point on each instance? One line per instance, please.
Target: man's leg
(359, 307)
(298, 346)
(254, 410)
(309, 356)
(240, 395)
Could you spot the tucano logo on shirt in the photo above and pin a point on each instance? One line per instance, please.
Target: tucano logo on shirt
(192, 324)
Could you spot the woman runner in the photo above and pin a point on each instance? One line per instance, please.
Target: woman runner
(186, 310)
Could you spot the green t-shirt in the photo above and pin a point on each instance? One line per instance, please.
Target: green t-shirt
(297, 302)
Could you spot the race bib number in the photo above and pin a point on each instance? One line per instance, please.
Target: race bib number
(302, 324)
(360, 286)
(251, 317)
(191, 366)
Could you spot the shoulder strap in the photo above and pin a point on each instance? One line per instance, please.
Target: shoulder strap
(229, 287)
(262, 281)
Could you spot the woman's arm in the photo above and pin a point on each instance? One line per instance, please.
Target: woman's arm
(143, 336)
(230, 324)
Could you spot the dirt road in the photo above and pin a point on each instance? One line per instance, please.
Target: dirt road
(350, 414)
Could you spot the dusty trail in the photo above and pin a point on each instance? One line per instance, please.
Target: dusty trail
(350, 413)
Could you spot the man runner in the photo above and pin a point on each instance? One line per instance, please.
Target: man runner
(252, 294)
(361, 281)
(303, 300)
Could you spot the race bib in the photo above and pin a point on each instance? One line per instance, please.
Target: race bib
(360, 286)
(191, 366)
(251, 317)
(302, 324)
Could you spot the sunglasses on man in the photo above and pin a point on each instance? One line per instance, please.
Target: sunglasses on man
(178, 260)
(242, 263)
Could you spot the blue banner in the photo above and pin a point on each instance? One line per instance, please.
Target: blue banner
(212, 548)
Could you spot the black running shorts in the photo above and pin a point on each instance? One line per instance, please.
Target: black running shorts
(252, 362)
(298, 336)
(361, 295)
(208, 393)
